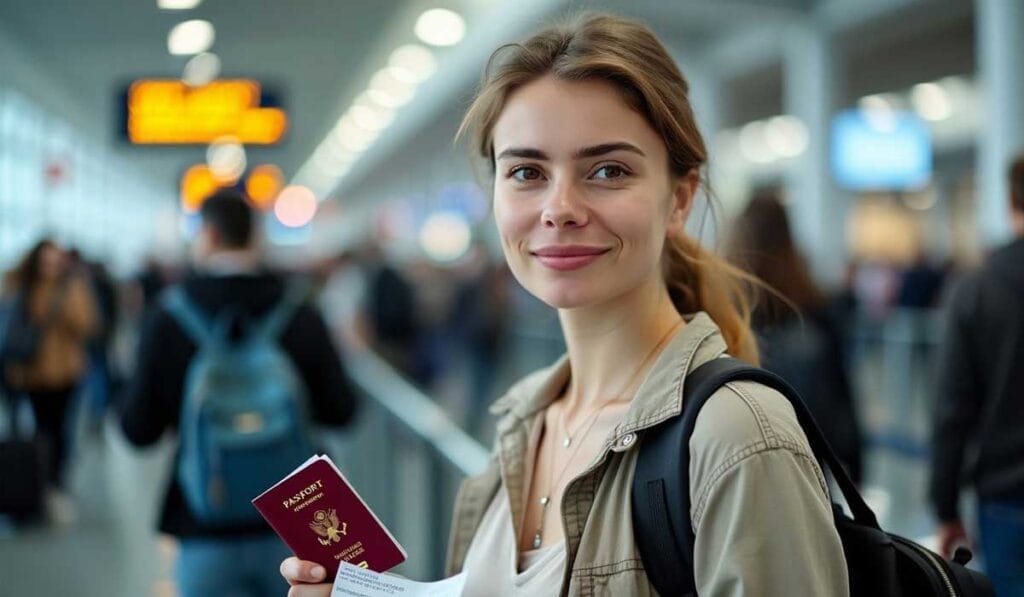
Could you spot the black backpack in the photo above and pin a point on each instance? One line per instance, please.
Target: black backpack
(880, 564)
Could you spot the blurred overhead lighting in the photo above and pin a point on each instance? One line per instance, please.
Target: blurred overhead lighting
(201, 69)
(388, 90)
(263, 185)
(440, 27)
(754, 145)
(931, 101)
(413, 63)
(226, 159)
(191, 37)
(178, 4)
(295, 206)
(371, 117)
(196, 185)
(786, 136)
(445, 236)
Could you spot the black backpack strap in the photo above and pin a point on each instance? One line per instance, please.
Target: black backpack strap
(661, 480)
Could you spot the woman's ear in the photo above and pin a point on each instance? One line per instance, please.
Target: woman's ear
(683, 191)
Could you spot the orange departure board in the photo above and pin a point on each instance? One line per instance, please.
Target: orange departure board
(170, 112)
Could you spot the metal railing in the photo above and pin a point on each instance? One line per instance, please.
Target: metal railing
(406, 458)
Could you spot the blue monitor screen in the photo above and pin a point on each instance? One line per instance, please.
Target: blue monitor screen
(880, 151)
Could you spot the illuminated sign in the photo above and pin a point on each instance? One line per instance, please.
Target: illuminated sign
(169, 112)
(262, 184)
(880, 151)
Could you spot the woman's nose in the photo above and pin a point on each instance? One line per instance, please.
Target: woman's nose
(564, 208)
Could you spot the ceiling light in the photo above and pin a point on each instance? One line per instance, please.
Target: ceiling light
(786, 136)
(201, 69)
(388, 90)
(754, 145)
(190, 37)
(370, 117)
(413, 63)
(226, 159)
(178, 4)
(440, 27)
(931, 101)
(445, 236)
(295, 206)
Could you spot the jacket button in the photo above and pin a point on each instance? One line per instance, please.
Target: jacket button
(627, 440)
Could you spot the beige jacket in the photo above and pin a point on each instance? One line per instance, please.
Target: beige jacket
(61, 361)
(760, 506)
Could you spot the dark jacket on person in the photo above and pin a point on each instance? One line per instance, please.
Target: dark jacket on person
(979, 407)
(807, 351)
(153, 399)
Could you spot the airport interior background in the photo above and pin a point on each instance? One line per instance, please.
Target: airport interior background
(886, 127)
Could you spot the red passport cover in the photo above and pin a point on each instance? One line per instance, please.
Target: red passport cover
(319, 515)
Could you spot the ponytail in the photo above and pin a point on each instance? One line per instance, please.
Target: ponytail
(698, 280)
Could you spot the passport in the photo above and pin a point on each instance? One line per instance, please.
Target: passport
(319, 515)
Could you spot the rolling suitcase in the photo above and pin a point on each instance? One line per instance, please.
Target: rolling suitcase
(22, 472)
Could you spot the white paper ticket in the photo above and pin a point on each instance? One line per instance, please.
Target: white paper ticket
(353, 581)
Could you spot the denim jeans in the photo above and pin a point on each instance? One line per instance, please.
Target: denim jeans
(231, 567)
(1001, 526)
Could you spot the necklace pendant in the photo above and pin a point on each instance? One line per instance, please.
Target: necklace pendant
(567, 442)
(536, 541)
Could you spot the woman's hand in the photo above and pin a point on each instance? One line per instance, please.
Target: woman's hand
(304, 577)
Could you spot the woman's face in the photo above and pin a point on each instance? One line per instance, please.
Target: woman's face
(583, 196)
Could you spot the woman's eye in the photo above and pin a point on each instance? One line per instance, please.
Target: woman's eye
(610, 172)
(524, 173)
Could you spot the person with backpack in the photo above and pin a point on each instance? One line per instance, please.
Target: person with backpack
(595, 157)
(51, 317)
(979, 407)
(240, 366)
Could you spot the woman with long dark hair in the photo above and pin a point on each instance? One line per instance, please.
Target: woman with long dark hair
(55, 300)
(798, 336)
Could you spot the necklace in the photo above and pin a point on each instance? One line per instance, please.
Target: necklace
(545, 499)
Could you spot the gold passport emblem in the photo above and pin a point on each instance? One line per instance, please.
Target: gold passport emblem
(328, 526)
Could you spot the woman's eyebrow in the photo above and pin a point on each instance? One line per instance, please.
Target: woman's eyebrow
(598, 150)
(522, 152)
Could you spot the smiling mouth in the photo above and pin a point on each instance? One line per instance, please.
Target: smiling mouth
(568, 258)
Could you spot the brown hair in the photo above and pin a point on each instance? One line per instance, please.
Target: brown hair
(1017, 183)
(761, 242)
(25, 275)
(627, 54)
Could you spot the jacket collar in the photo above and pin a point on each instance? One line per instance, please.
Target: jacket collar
(658, 398)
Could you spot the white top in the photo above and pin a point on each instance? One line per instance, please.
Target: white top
(494, 565)
(495, 568)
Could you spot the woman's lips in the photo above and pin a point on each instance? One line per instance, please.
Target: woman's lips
(568, 257)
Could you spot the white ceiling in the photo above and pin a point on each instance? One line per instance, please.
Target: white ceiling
(318, 54)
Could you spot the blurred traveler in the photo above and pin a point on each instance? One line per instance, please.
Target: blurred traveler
(596, 158)
(219, 554)
(391, 314)
(978, 437)
(798, 336)
(44, 350)
(478, 314)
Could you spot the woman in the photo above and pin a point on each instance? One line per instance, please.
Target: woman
(596, 159)
(797, 333)
(59, 302)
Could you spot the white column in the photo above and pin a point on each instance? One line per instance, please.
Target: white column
(1000, 35)
(705, 98)
(816, 209)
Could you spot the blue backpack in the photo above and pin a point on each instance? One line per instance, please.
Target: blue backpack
(243, 415)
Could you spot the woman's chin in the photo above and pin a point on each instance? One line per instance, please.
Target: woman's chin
(568, 298)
